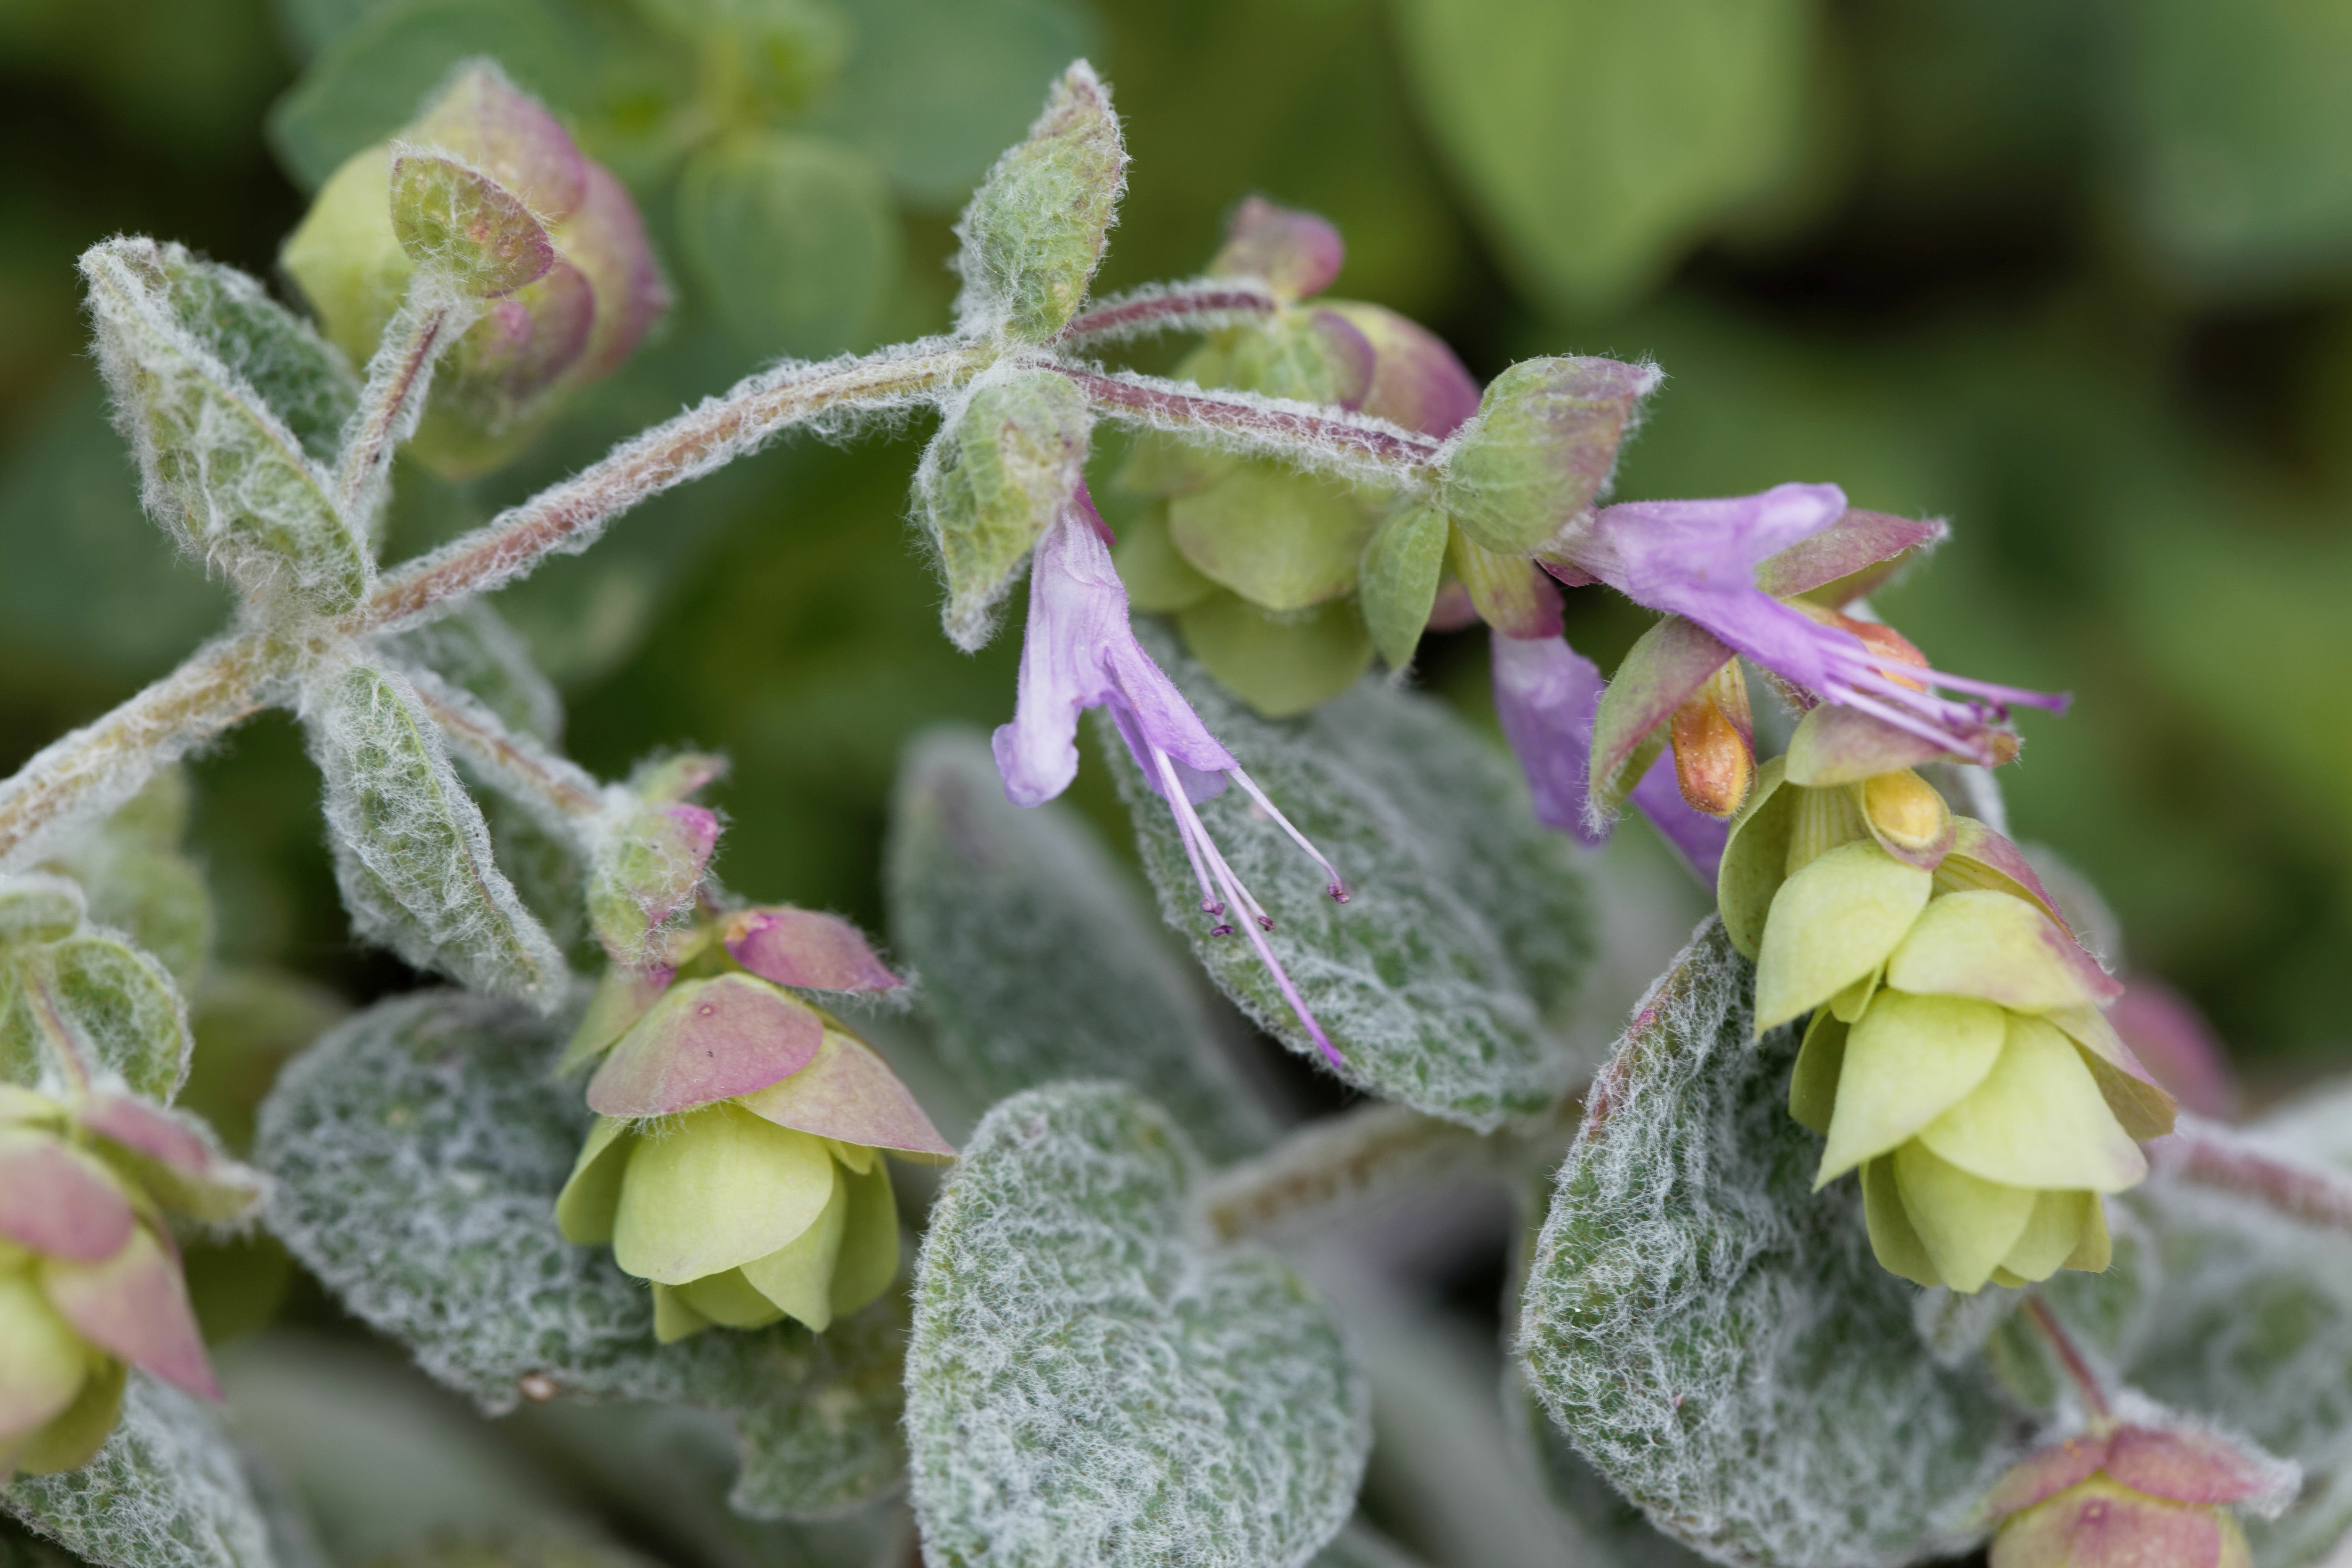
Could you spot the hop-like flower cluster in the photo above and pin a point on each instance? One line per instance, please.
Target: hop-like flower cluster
(1958, 1056)
(90, 1278)
(736, 1162)
(486, 181)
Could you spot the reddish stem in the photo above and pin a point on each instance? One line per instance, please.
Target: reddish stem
(2078, 1371)
(1172, 308)
(1164, 403)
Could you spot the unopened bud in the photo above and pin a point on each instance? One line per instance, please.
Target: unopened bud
(1715, 744)
(1540, 448)
(1295, 253)
(481, 170)
(646, 873)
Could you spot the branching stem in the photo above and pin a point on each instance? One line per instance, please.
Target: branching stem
(96, 768)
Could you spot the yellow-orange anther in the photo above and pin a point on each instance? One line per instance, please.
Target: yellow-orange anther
(1906, 809)
(1713, 739)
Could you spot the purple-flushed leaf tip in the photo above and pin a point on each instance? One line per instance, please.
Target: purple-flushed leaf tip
(849, 1093)
(1297, 253)
(2047, 1471)
(705, 1040)
(1417, 381)
(134, 1305)
(58, 1201)
(806, 948)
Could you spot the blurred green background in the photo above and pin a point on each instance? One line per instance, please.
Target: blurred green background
(2076, 276)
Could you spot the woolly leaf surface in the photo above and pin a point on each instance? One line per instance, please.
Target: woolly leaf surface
(138, 879)
(1087, 1387)
(413, 856)
(2253, 1326)
(1034, 231)
(1038, 958)
(418, 1150)
(166, 1491)
(1446, 976)
(1716, 1338)
(226, 473)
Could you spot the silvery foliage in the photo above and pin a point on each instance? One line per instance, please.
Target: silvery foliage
(1087, 1384)
(1715, 1337)
(419, 1148)
(1447, 977)
(2254, 1326)
(1038, 957)
(81, 1004)
(413, 854)
(231, 407)
(168, 1491)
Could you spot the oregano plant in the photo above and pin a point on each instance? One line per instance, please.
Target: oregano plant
(1027, 1240)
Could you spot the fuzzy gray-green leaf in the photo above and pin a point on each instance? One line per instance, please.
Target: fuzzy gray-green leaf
(1446, 977)
(1034, 231)
(1038, 958)
(412, 854)
(418, 1149)
(1715, 1336)
(990, 482)
(228, 474)
(2253, 1325)
(166, 1491)
(1089, 1387)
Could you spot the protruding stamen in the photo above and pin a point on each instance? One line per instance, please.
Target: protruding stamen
(1190, 825)
(1211, 905)
(1337, 886)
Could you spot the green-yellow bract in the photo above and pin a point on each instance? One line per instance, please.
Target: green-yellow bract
(737, 1161)
(1958, 1056)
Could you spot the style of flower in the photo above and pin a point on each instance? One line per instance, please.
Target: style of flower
(737, 1159)
(1080, 652)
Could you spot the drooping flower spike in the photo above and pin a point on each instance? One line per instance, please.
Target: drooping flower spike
(1079, 652)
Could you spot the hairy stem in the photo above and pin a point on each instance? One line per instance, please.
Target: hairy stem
(98, 767)
(399, 378)
(568, 516)
(1361, 1154)
(2211, 1156)
(102, 764)
(557, 788)
(1197, 306)
(1304, 432)
(2078, 1371)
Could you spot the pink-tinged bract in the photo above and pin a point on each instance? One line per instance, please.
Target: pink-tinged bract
(148, 1130)
(58, 1201)
(705, 1040)
(134, 1305)
(1845, 550)
(1417, 381)
(1297, 253)
(2165, 1031)
(849, 1093)
(806, 948)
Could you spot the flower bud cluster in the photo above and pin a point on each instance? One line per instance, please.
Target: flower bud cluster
(1957, 1056)
(1283, 583)
(490, 199)
(737, 1159)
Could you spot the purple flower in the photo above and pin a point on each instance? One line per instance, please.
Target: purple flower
(1700, 558)
(1079, 652)
(1546, 694)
